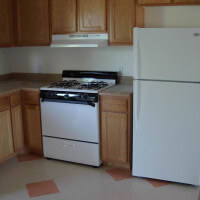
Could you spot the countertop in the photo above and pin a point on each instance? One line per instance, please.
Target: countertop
(9, 86)
(125, 89)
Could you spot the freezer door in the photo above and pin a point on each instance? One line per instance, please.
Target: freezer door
(167, 54)
(166, 131)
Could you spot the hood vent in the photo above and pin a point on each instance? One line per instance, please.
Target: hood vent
(80, 40)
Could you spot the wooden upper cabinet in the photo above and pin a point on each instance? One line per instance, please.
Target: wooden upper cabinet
(121, 20)
(63, 16)
(91, 15)
(154, 2)
(186, 1)
(6, 25)
(139, 16)
(32, 22)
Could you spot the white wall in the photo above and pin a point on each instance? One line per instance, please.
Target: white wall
(49, 60)
(54, 60)
(5, 66)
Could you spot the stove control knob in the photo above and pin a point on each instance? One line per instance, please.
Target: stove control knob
(78, 97)
(51, 94)
(47, 94)
(66, 97)
(85, 97)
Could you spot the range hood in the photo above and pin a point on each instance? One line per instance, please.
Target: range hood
(80, 40)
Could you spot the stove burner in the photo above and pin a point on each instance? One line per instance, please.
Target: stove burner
(94, 85)
(64, 84)
(74, 84)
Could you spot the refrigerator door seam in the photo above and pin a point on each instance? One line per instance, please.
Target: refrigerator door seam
(157, 80)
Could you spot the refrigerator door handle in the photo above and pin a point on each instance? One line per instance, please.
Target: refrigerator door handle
(137, 103)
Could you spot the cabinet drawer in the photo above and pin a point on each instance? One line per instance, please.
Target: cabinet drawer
(114, 104)
(31, 97)
(4, 103)
(15, 99)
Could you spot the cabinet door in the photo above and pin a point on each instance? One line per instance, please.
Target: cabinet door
(33, 128)
(114, 137)
(17, 125)
(121, 20)
(6, 25)
(154, 2)
(63, 16)
(186, 1)
(32, 22)
(92, 15)
(6, 139)
(139, 16)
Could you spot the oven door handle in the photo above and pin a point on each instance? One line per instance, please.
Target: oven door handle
(67, 101)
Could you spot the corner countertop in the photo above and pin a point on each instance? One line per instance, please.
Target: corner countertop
(124, 89)
(9, 86)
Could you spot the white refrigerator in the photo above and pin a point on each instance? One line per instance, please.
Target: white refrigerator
(166, 119)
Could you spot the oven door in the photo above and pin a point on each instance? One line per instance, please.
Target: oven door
(79, 122)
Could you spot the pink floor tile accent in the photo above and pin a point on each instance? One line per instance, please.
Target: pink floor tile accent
(42, 188)
(158, 183)
(28, 157)
(119, 174)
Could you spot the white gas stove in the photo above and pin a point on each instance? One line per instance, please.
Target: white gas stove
(70, 116)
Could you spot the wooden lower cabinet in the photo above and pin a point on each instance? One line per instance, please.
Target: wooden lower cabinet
(20, 126)
(32, 121)
(116, 130)
(17, 126)
(33, 127)
(114, 137)
(6, 138)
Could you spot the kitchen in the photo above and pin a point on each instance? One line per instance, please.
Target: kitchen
(26, 69)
